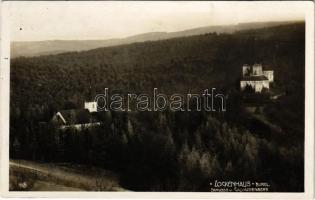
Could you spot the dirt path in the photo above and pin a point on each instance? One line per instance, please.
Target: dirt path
(91, 179)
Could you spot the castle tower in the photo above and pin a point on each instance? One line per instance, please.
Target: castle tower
(246, 70)
(257, 70)
(269, 75)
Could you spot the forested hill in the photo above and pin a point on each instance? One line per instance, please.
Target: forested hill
(173, 65)
(36, 48)
(185, 150)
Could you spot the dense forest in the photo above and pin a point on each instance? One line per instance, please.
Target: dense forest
(169, 151)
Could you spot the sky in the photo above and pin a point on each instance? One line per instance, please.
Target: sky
(35, 21)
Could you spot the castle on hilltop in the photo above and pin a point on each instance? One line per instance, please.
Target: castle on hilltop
(256, 78)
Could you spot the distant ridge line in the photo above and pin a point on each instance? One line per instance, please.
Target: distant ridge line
(51, 47)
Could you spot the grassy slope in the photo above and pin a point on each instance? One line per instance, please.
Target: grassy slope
(60, 177)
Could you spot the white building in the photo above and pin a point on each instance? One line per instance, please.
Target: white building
(91, 106)
(256, 78)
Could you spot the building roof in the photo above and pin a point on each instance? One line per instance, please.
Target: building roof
(77, 116)
(254, 78)
(257, 65)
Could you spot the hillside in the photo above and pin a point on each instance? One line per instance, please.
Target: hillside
(60, 177)
(194, 63)
(37, 48)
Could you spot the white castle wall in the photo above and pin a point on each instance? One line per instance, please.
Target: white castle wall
(269, 75)
(256, 85)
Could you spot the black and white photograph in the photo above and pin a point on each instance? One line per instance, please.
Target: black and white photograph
(158, 96)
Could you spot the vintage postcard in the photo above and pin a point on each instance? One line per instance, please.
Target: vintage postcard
(167, 99)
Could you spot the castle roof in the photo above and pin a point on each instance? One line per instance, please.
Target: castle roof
(77, 116)
(254, 78)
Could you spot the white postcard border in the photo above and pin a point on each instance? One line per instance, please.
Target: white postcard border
(309, 122)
